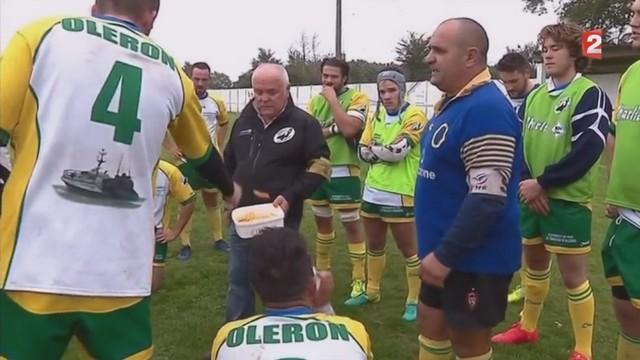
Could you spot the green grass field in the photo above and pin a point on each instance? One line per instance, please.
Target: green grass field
(190, 308)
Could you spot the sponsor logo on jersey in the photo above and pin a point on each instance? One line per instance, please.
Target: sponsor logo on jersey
(558, 130)
(427, 174)
(562, 105)
(284, 135)
(628, 113)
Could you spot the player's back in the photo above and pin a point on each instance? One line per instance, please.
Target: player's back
(100, 98)
(311, 337)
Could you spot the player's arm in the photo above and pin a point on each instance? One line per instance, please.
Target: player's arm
(488, 156)
(223, 122)
(409, 137)
(525, 173)
(15, 72)
(364, 148)
(589, 129)
(191, 136)
(181, 191)
(316, 156)
(349, 122)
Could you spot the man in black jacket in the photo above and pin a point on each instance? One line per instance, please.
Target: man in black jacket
(277, 154)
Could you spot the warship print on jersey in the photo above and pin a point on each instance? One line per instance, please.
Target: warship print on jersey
(98, 187)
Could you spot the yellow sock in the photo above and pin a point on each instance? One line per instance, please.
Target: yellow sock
(523, 276)
(434, 350)
(185, 235)
(628, 347)
(376, 260)
(582, 309)
(535, 292)
(214, 217)
(358, 255)
(413, 280)
(324, 243)
(487, 356)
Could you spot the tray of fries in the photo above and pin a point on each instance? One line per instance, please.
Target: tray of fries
(251, 220)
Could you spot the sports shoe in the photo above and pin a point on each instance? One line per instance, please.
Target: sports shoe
(578, 356)
(185, 253)
(515, 336)
(360, 300)
(357, 288)
(221, 246)
(410, 312)
(516, 295)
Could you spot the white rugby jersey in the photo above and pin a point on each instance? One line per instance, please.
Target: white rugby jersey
(214, 113)
(86, 103)
(292, 336)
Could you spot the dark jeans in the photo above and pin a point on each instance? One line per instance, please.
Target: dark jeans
(240, 295)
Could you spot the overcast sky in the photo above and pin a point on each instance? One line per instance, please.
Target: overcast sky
(227, 33)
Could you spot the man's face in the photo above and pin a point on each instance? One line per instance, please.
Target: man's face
(389, 94)
(635, 25)
(556, 58)
(332, 76)
(446, 58)
(515, 82)
(201, 79)
(270, 96)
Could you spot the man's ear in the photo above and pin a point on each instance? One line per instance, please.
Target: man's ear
(473, 56)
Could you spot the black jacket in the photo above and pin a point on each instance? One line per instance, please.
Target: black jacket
(289, 158)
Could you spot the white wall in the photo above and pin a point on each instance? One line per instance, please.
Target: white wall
(421, 94)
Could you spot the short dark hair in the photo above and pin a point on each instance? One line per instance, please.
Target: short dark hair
(513, 61)
(570, 35)
(130, 7)
(200, 65)
(477, 35)
(336, 62)
(279, 265)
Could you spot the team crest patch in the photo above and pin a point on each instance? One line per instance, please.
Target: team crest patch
(562, 105)
(558, 130)
(439, 136)
(472, 299)
(284, 135)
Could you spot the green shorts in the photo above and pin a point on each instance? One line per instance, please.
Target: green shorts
(119, 334)
(620, 253)
(342, 193)
(196, 181)
(160, 255)
(566, 230)
(388, 214)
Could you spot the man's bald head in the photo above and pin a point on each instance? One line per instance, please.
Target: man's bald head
(470, 33)
(270, 83)
(271, 72)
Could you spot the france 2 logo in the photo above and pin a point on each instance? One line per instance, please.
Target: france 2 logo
(592, 44)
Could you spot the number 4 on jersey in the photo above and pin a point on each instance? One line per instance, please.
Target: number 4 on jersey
(128, 79)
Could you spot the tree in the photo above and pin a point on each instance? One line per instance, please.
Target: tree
(530, 50)
(611, 15)
(411, 51)
(220, 81)
(264, 56)
(363, 71)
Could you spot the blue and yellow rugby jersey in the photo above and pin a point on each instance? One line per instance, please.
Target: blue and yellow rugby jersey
(473, 132)
(293, 333)
(86, 103)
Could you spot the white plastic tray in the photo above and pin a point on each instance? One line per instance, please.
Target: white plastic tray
(247, 230)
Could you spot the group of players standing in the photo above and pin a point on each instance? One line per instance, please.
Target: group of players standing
(473, 176)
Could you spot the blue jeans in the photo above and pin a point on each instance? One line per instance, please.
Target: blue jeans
(241, 302)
